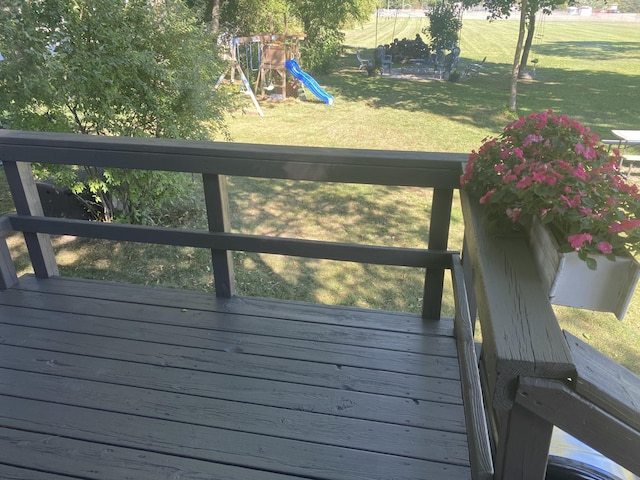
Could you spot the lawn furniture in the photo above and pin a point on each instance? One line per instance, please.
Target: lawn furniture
(627, 138)
(105, 380)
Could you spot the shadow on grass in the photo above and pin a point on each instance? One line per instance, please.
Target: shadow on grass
(333, 212)
(481, 101)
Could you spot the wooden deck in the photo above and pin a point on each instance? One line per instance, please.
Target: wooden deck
(106, 381)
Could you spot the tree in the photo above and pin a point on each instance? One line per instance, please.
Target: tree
(528, 11)
(323, 21)
(110, 67)
(444, 25)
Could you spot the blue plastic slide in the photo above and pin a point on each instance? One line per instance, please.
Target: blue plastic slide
(308, 82)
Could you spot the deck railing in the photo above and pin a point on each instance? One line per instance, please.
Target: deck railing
(533, 375)
(214, 161)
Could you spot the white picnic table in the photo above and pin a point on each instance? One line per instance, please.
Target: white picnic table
(626, 138)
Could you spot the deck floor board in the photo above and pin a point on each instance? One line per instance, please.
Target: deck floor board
(100, 380)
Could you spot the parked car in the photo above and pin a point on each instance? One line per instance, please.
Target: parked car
(570, 459)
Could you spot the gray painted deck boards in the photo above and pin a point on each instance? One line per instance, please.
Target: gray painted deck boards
(107, 381)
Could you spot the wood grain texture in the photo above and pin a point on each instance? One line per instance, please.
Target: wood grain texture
(214, 161)
(123, 388)
(8, 276)
(521, 335)
(605, 382)
(80, 459)
(429, 169)
(378, 255)
(525, 438)
(27, 201)
(555, 402)
(480, 454)
(200, 305)
(218, 219)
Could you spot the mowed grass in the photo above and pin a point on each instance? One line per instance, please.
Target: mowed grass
(587, 70)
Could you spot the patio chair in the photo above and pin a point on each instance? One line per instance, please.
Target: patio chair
(474, 68)
(386, 61)
(363, 63)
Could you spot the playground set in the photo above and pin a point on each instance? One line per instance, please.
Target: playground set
(268, 58)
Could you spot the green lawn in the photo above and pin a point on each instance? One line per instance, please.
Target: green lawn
(587, 70)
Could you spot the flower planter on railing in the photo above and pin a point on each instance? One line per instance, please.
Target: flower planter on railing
(570, 282)
(551, 169)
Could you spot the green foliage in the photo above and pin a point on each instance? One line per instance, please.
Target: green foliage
(322, 54)
(109, 67)
(444, 25)
(248, 17)
(321, 21)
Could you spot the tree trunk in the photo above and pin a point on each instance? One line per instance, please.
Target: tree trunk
(529, 40)
(212, 15)
(516, 61)
(215, 16)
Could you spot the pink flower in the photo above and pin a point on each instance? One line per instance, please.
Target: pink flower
(630, 224)
(624, 225)
(586, 211)
(552, 167)
(579, 239)
(513, 214)
(524, 182)
(615, 227)
(518, 169)
(532, 138)
(590, 153)
(539, 177)
(487, 196)
(509, 177)
(605, 247)
(579, 172)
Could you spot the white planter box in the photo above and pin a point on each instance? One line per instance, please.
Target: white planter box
(570, 282)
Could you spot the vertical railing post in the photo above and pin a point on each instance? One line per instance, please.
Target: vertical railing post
(217, 204)
(8, 277)
(468, 279)
(438, 240)
(522, 449)
(27, 201)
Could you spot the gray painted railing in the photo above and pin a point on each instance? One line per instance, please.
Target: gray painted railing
(214, 161)
(534, 376)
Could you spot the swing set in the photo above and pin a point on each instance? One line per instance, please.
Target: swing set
(263, 56)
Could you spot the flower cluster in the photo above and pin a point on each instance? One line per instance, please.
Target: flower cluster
(551, 167)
